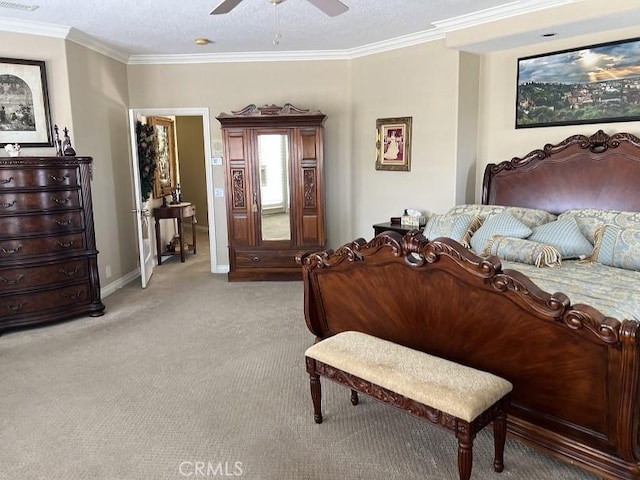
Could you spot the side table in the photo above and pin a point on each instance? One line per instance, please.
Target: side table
(378, 228)
(179, 212)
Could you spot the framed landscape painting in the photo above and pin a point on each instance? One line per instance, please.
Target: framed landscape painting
(595, 84)
(24, 103)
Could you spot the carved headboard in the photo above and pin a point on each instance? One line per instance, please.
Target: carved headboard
(600, 171)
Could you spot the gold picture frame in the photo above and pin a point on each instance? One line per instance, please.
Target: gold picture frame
(165, 175)
(393, 144)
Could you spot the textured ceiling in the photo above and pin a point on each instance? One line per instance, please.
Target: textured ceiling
(169, 27)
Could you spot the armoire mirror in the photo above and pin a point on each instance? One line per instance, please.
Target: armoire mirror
(273, 164)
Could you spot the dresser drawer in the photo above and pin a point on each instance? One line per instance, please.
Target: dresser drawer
(35, 201)
(46, 299)
(54, 222)
(24, 247)
(266, 259)
(42, 275)
(41, 177)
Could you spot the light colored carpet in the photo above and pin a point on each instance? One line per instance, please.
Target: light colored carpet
(196, 369)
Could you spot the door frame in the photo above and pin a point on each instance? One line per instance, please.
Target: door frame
(206, 133)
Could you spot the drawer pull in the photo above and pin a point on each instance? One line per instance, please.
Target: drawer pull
(59, 201)
(10, 251)
(255, 259)
(62, 223)
(73, 296)
(68, 273)
(59, 179)
(68, 244)
(15, 307)
(17, 280)
(7, 205)
(8, 180)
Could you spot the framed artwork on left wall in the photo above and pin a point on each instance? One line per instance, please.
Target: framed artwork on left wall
(25, 117)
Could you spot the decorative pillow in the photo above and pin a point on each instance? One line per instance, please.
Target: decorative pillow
(565, 235)
(477, 210)
(457, 227)
(529, 216)
(532, 217)
(590, 219)
(523, 251)
(501, 224)
(618, 247)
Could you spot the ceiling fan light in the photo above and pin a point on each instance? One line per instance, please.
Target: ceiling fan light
(202, 41)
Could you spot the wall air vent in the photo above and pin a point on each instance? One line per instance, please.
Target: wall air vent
(18, 6)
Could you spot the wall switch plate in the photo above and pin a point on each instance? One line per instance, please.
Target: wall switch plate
(216, 160)
(218, 192)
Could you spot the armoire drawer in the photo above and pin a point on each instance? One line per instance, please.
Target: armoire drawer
(55, 244)
(54, 222)
(266, 259)
(11, 202)
(21, 304)
(18, 278)
(27, 178)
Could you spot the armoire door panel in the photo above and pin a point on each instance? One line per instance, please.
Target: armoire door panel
(309, 143)
(235, 147)
(310, 233)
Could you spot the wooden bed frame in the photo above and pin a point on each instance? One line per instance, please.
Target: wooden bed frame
(576, 373)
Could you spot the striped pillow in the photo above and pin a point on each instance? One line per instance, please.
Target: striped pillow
(565, 235)
(457, 227)
(523, 251)
(618, 247)
(501, 224)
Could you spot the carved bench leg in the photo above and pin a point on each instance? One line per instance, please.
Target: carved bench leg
(354, 397)
(465, 450)
(499, 437)
(316, 396)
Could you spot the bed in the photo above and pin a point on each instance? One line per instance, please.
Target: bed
(574, 364)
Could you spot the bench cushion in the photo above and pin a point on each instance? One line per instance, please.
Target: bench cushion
(441, 384)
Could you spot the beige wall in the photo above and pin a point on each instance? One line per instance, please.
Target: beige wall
(88, 94)
(99, 99)
(193, 183)
(52, 51)
(419, 82)
(231, 86)
(499, 140)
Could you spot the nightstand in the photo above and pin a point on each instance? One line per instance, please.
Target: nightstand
(378, 228)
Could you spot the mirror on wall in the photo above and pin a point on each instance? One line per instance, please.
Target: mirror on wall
(273, 156)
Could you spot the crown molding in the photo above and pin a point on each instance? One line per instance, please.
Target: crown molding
(439, 31)
(513, 9)
(92, 43)
(34, 28)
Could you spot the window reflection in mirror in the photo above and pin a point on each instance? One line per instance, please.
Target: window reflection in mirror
(273, 155)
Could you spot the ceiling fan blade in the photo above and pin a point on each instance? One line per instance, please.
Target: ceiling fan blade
(330, 7)
(225, 6)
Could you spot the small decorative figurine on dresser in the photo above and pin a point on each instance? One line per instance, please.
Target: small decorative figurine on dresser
(67, 149)
(57, 142)
(12, 149)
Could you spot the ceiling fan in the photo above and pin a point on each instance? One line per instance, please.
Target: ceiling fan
(330, 7)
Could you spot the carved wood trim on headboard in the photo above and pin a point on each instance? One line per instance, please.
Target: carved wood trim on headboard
(599, 171)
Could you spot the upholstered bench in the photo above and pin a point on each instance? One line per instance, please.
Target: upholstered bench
(453, 396)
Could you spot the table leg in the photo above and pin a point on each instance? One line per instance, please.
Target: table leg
(182, 258)
(193, 232)
(158, 241)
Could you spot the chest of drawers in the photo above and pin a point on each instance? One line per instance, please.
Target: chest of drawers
(48, 256)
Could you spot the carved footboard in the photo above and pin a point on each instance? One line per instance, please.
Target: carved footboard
(575, 372)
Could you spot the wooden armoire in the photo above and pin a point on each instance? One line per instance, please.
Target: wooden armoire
(274, 189)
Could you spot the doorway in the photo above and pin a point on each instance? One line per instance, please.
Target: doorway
(194, 114)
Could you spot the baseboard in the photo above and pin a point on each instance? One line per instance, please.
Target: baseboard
(119, 283)
(222, 269)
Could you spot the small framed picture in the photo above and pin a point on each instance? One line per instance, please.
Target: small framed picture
(25, 118)
(393, 144)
